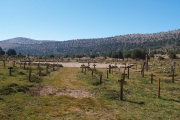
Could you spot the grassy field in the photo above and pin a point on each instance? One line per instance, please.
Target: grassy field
(140, 101)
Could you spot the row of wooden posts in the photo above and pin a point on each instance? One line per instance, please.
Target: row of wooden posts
(122, 81)
(30, 69)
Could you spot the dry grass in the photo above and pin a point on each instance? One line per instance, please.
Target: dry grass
(140, 96)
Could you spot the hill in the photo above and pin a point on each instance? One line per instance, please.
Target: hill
(99, 46)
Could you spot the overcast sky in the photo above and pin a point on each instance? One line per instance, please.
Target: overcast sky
(78, 19)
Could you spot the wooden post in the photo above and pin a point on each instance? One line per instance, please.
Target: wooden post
(172, 75)
(136, 66)
(109, 68)
(151, 78)
(30, 74)
(100, 82)
(39, 71)
(159, 88)
(4, 63)
(38, 65)
(10, 70)
(107, 73)
(82, 66)
(121, 88)
(94, 66)
(128, 70)
(92, 73)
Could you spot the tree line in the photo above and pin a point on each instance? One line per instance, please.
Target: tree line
(134, 54)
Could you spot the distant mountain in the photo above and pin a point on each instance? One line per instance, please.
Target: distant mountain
(98, 46)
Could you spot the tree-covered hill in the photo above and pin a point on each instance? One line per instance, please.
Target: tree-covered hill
(163, 41)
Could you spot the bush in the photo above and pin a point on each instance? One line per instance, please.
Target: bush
(172, 55)
(161, 58)
(137, 54)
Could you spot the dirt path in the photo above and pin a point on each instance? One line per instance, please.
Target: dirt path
(77, 65)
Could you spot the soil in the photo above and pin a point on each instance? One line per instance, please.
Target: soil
(50, 90)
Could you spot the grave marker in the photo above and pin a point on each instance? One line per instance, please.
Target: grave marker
(10, 70)
(110, 68)
(151, 78)
(4, 63)
(82, 66)
(29, 74)
(128, 70)
(121, 88)
(173, 75)
(94, 66)
(39, 71)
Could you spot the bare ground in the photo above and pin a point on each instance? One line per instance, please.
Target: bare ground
(50, 90)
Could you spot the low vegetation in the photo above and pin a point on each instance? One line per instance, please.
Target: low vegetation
(69, 93)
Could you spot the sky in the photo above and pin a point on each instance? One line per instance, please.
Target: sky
(63, 20)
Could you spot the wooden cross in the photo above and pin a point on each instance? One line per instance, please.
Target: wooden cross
(173, 75)
(92, 73)
(121, 88)
(94, 66)
(39, 71)
(151, 78)
(82, 66)
(128, 70)
(10, 70)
